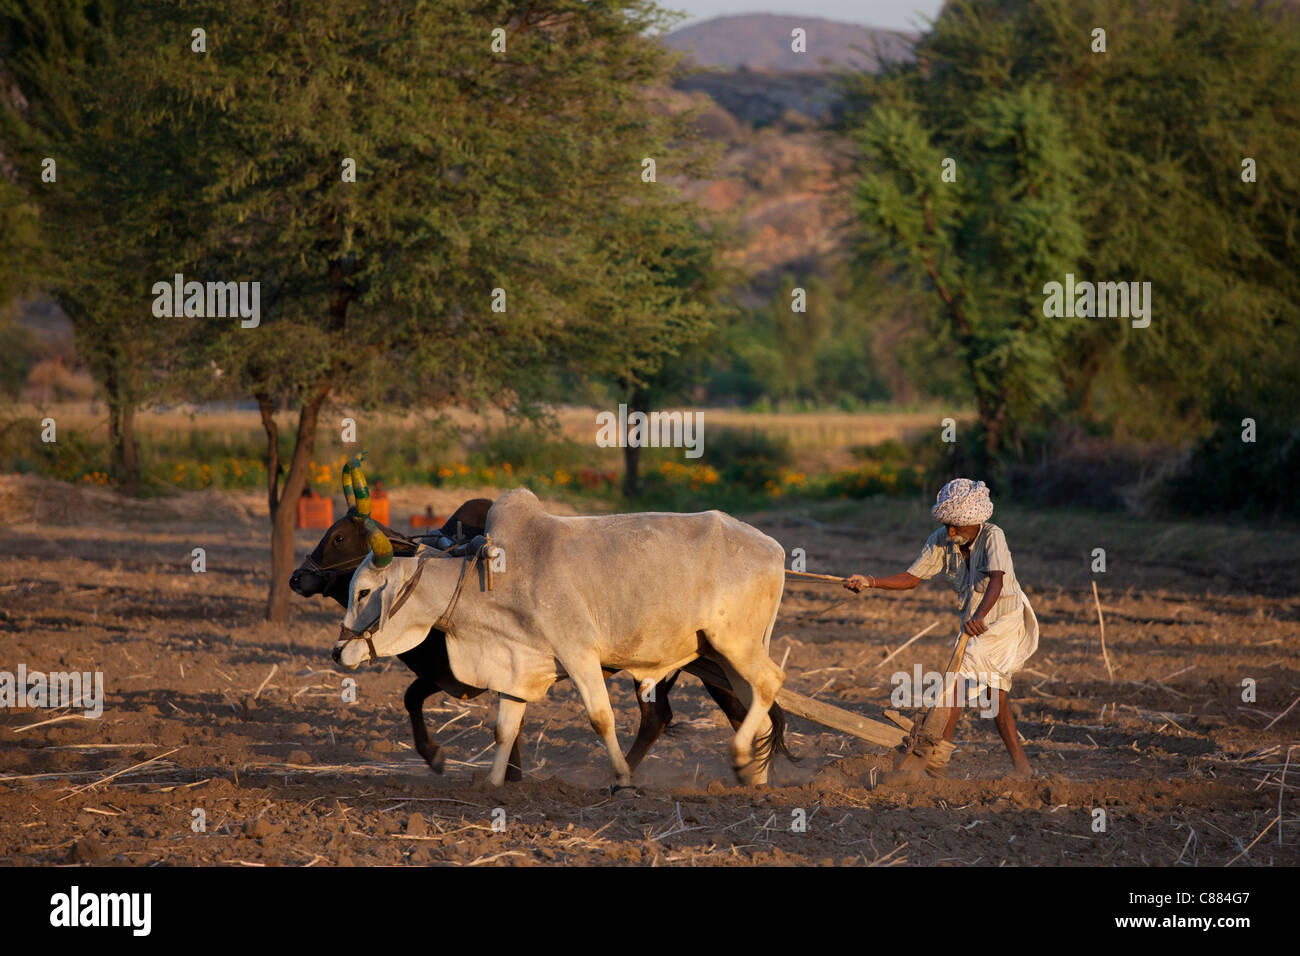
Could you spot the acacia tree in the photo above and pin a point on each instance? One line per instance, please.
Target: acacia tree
(18, 215)
(109, 189)
(668, 268)
(986, 242)
(476, 169)
(1121, 165)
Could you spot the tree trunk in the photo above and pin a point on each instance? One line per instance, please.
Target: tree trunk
(283, 501)
(631, 467)
(637, 402)
(991, 427)
(124, 462)
(130, 456)
(272, 430)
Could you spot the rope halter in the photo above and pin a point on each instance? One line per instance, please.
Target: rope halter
(469, 561)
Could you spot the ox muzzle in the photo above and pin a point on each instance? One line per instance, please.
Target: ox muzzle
(307, 583)
(311, 577)
(346, 637)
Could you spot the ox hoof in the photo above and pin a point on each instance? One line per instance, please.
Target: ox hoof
(625, 790)
(435, 757)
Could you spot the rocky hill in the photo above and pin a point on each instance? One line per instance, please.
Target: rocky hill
(762, 41)
(762, 97)
(783, 174)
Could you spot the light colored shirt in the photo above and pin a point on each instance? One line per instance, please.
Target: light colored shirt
(988, 552)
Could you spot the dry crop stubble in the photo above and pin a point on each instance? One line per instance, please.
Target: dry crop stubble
(210, 707)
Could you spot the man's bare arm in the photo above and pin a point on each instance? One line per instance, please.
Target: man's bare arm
(976, 624)
(895, 582)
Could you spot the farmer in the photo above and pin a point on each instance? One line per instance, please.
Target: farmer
(998, 627)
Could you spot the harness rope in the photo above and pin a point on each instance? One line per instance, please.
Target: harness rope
(443, 623)
(309, 563)
(467, 566)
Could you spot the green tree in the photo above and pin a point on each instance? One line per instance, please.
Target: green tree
(108, 186)
(669, 269)
(476, 171)
(851, 345)
(19, 241)
(985, 240)
(1116, 166)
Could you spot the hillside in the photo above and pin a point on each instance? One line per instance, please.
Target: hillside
(782, 171)
(761, 41)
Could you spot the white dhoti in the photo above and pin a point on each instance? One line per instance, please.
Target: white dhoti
(993, 657)
(1012, 633)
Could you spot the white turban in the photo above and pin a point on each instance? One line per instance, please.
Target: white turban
(963, 502)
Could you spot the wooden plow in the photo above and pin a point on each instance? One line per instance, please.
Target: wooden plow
(819, 712)
(837, 718)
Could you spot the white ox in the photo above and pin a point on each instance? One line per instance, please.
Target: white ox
(645, 593)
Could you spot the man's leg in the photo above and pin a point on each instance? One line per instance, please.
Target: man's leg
(950, 728)
(1006, 724)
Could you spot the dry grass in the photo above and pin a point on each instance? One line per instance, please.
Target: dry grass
(814, 430)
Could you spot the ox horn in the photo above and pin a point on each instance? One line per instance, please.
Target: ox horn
(379, 543)
(348, 493)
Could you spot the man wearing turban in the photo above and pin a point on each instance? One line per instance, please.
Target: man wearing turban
(997, 623)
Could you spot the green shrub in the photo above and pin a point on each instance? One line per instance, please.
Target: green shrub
(73, 457)
(1225, 474)
(748, 458)
(875, 478)
(891, 449)
(528, 448)
(19, 351)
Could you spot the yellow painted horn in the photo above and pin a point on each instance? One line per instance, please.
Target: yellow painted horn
(348, 494)
(379, 543)
(360, 490)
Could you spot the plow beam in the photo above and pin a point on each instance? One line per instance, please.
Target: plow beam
(819, 712)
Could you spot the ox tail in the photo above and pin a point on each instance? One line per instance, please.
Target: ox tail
(772, 743)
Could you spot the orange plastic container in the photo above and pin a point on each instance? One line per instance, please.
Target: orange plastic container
(379, 507)
(314, 511)
(427, 520)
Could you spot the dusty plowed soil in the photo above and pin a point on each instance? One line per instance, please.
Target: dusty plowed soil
(225, 740)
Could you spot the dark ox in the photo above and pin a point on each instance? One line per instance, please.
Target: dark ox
(329, 568)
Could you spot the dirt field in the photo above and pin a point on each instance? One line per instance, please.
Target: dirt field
(247, 722)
